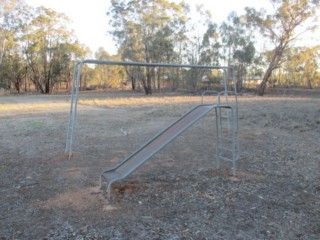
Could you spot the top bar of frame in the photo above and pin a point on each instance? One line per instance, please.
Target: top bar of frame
(145, 64)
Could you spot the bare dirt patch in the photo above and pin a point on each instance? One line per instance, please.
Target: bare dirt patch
(178, 194)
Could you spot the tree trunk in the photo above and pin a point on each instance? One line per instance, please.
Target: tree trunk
(309, 83)
(17, 86)
(273, 65)
(133, 83)
(263, 84)
(18, 82)
(175, 80)
(38, 86)
(148, 86)
(47, 87)
(2, 42)
(132, 79)
(144, 84)
(240, 76)
(159, 79)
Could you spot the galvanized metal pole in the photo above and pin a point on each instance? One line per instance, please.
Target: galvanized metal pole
(70, 123)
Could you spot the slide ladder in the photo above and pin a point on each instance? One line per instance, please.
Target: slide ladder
(227, 145)
(136, 159)
(226, 111)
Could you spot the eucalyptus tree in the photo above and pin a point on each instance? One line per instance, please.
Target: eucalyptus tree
(14, 16)
(282, 28)
(5, 8)
(14, 71)
(36, 46)
(302, 65)
(202, 45)
(62, 60)
(101, 72)
(2, 36)
(238, 45)
(145, 30)
(107, 75)
(45, 40)
(2, 42)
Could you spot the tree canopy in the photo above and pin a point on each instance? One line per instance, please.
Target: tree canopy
(38, 49)
(282, 28)
(37, 46)
(146, 31)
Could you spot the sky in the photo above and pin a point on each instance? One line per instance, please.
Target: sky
(90, 23)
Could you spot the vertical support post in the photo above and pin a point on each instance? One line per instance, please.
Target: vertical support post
(225, 85)
(234, 140)
(70, 123)
(217, 136)
(73, 108)
(236, 95)
(236, 118)
(235, 124)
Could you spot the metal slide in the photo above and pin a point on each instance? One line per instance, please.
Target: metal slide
(136, 159)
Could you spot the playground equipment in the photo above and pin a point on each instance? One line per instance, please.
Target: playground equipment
(226, 113)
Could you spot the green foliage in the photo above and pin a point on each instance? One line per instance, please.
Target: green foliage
(38, 50)
(238, 46)
(302, 66)
(105, 76)
(38, 47)
(46, 47)
(281, 28)
(147, 31)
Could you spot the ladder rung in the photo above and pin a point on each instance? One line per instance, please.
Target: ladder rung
(224, 138)
(225, 131)
(226, 149)
(226, 159)
(226, 118)
(226, 124)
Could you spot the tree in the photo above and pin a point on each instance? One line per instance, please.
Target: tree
(145, 31)
(62, 61)
(282, 28)
(44, 41)
(5, 7)
(304, 63)
(238, 46)
(35, 46)
(14, 70)
(14, 15)
(107, 75)
(202, 45)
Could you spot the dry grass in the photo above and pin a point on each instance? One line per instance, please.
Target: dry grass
(150, 101)
(8, 108)
(144, 101)
(141, 101)
(18, 108)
